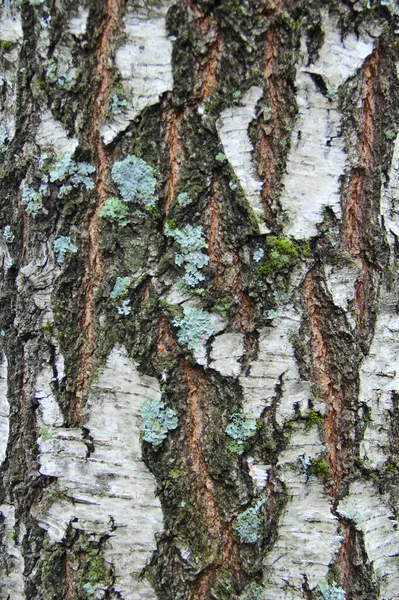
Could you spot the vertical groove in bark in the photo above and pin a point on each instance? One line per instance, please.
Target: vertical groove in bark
(324, 379)
(196, 429)
(345, 557)
(355, 215)
(219, 534)
(174, 117)
(94, 268)
(269, 133)
(172, 122)
(209, 71)
(69, 580)
(243, 316)
(216, 193)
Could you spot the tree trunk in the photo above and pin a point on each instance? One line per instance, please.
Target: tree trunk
(199, 321)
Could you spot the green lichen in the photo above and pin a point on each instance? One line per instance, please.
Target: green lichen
(115, 210)
(253, 592)
(319, 468)
(313, 417)
(220, 157)
(45, 434)
(281, 254)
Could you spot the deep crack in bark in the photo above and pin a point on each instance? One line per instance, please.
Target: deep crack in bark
(94, 271)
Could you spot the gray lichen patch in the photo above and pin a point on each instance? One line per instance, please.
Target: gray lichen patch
(111, 490)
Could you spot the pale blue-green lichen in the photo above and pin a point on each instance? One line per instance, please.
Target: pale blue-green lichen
(8, 234)
(63, 246)
(124, 308)
(191, 241)
(135, 180)
(194, 327)
(158, 420)
(184, 199)
(117, 104)
(32, 199)
(249, 524)
(121, 287)
(258, 254)
(50, 68)
(331, 592)
(73, 173)
(240, 430)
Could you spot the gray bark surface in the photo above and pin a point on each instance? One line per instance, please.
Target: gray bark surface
(199, 328)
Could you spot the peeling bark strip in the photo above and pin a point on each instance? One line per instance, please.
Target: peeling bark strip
(358, 204)
(94, 269)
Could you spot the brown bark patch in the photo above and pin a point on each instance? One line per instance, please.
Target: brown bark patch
(219, 533)
(94, 271)
(196, 426)
(355, 214)
(70, 592)
(214, 250)
(209, 70)
(331, 392)
(243, 317)
(212, 66)
(345, 556)
(165, 340)
(172, 122)
(269, 130)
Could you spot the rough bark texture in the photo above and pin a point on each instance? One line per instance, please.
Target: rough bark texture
(221, 422)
